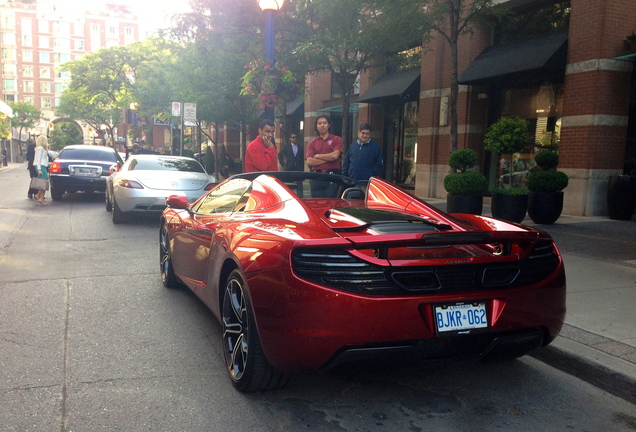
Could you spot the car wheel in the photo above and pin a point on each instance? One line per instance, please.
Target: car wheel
(109, 204)
(244, 357)
(118, 215)
(56, 194)
(168, 277)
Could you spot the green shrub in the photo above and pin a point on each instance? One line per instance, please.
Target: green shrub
(507, 136)
(547, 181)
(465, 183)
(547, 159)
(463, 159)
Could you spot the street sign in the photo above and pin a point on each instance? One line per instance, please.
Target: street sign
(176, 109)
(190, 112)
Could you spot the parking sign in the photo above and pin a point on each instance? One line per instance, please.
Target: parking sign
(176, 109)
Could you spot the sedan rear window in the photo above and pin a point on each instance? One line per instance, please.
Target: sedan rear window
(88, 154)
(161, 164)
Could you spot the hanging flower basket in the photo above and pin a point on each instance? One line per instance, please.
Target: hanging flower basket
(269, 83)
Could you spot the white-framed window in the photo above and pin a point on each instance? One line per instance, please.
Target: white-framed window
(62, 28)
(45, 102)
(78, 29)
(8, 53)
(94, 29)
(27, 25)
(27, 40)
(9, 69)
(43, 26)
(9, 98)
(80, 45)
(45, 87)
(10, 84)
(45, 57)
(62, 44)
(27, 71)
(44, 42)
(27, 55)
(45, 72)
(8, 38)
(29, 99)
(28, 86)
(60, 87)
(8, 22)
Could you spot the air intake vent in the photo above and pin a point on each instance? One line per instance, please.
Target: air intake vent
(341, 270)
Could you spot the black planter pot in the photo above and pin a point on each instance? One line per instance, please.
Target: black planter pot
(511, 208)
(471, 204)
(545, 207)
(621, 197)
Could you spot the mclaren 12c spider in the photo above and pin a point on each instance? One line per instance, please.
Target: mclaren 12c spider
(306, 271)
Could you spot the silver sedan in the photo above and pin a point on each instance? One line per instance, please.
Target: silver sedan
(145, 181)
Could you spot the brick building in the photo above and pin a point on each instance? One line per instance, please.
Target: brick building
(37, 36)
(573, 80)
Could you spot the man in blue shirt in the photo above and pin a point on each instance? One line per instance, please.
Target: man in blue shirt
(364, 157)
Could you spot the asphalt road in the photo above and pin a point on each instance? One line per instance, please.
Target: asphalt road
(90, 340)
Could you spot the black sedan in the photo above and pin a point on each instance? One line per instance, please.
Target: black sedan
(82, 168)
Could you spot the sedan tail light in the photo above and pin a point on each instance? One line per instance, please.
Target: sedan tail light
(129, 184)
(56, 168)
(113, 169)
(210, 186)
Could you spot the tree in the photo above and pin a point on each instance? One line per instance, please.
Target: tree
(450, 19)
(65, 133)
(24, 115)
(104, 83)
(349, 36)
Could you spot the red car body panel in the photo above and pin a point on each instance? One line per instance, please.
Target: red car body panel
(304, 325)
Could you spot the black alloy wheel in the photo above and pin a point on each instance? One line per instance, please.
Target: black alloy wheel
(109, 204)
(168, 277)
(118, 215)
(246, 363)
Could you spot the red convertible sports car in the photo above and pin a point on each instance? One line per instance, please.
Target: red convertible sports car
(306, 271)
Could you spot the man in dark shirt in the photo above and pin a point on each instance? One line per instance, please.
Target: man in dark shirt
(291, 156)
(364, 157)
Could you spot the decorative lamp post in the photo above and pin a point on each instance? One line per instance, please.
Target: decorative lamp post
(270, 7)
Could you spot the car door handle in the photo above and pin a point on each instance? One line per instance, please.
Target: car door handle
(199, 231)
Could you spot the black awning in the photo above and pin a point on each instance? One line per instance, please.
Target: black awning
(547, 51)
(294, 105)
(393, 85)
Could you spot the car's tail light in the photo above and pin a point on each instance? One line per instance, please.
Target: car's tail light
(129, 184)
(56, 168)
(113, 169)
(210, 186)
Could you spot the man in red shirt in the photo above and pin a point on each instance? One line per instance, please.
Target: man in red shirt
(323, 156)
(261, 153)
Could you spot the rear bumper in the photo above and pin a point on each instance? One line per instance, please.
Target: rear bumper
(304, 326)
(67, 183)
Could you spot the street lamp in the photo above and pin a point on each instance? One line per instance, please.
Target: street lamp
(270, 7)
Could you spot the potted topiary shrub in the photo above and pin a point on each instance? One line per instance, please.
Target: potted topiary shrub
(505, 137)
(465, 188)
(545, 198)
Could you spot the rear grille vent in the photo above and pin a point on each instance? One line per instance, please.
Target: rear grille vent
(341, 270)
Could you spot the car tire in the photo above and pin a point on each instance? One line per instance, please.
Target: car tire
(118, 215)
(168, 276)
(56, 194)
(109, 204)
(246, 363)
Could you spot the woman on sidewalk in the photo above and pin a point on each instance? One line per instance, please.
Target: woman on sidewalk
(41, 163)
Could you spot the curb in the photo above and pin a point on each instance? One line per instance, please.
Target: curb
(609, 373)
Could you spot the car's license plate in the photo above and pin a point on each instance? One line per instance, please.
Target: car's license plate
(460, 318)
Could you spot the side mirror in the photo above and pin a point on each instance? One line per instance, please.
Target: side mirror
(179, 202)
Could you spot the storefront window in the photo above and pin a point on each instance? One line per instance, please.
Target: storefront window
(542, 107)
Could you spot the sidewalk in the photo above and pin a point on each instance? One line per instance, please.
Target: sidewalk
(598, 340)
